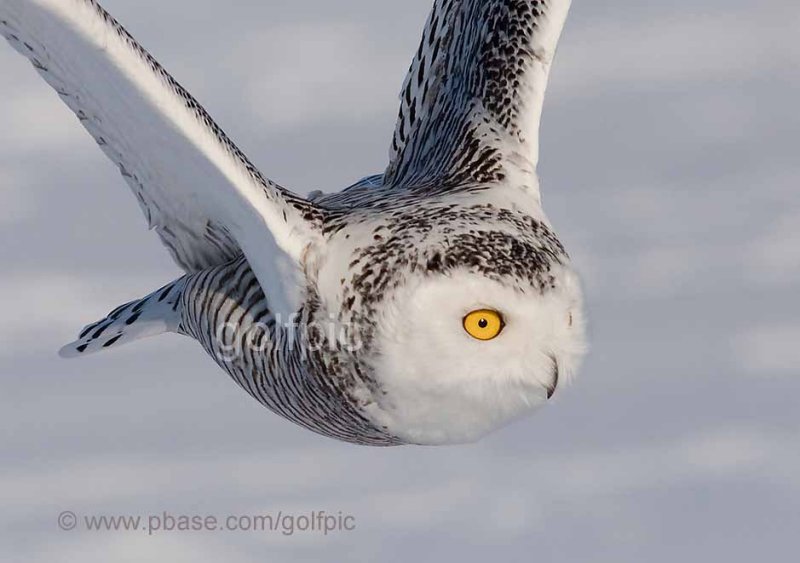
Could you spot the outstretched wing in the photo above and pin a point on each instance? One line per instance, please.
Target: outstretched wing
(472, 101)
(205, 199)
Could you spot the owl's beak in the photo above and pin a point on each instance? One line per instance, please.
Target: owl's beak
(551, 389)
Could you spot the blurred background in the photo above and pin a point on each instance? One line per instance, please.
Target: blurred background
(670, 170)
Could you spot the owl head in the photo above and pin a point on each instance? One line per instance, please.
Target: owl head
(460, 317)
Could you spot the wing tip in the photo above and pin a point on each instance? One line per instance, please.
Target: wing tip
(74, 350)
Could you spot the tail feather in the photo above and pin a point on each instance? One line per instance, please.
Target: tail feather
(155, 314)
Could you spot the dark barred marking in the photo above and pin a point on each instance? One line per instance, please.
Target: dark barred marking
(272, 362)
(99, 332)
(112, 341)
(463, 112)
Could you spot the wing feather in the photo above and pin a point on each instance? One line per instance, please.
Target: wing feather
(472, 100)
(202, 195)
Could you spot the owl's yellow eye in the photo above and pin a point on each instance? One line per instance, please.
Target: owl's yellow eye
(484, 324)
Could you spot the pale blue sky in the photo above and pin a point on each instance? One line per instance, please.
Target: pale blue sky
(670, 169)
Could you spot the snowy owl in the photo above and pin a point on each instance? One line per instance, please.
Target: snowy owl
(431, 304)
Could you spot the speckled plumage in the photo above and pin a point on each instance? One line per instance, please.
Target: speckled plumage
(341, 312)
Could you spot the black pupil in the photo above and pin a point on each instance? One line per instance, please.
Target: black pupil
(483, 323)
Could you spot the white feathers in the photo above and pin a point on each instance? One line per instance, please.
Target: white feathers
(198, 191)
(443, 386)
(155, 314)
